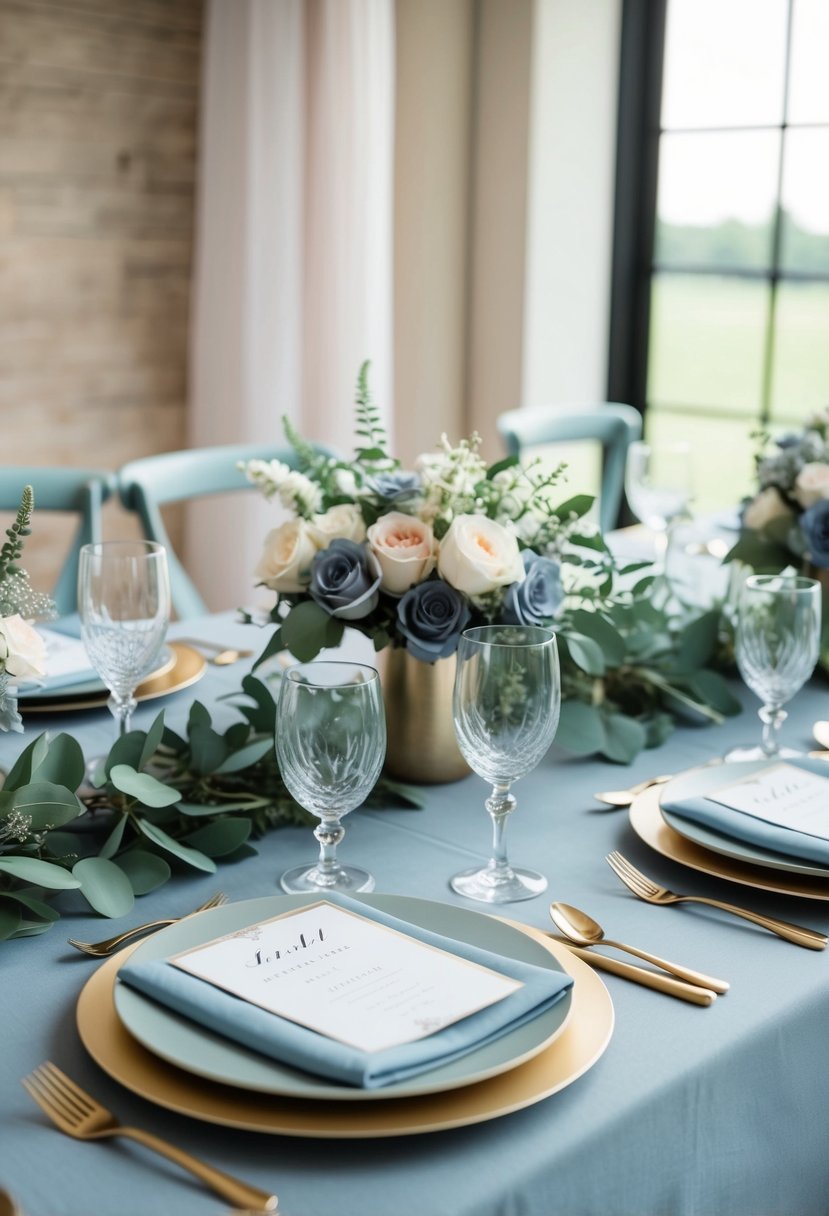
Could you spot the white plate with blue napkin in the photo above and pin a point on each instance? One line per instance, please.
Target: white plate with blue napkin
(482, 1045)
(687, 807)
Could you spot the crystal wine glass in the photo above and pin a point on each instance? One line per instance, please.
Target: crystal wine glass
(658, 489)
(124, 606)
(506, 704)
(330, 744)
(777, 646)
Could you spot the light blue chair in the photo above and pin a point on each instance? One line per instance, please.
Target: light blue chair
(613, 425)
(81, 492)
(149, 483)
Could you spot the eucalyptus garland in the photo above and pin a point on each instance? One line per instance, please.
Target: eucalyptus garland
(160, 803)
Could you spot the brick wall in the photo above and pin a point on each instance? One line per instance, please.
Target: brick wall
(98, 136)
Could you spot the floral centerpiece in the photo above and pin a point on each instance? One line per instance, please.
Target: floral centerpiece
(785, 523)
(412, 558)
(22, 650)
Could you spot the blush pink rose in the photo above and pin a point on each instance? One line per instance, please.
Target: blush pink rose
(405, 548)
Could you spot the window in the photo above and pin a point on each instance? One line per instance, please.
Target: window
(722, 226)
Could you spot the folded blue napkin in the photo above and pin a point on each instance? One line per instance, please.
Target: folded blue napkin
(300, 1047)
(686, 797)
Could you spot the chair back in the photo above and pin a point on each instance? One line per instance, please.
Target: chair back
(614, 425)
(148, 483)
(77, 491)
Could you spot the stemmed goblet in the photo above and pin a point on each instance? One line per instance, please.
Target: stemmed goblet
(505, 706)
(124, 606)
(777, 647)
(330, 744)
(658, 490)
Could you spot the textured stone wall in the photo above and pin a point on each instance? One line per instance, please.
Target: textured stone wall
(98, 137)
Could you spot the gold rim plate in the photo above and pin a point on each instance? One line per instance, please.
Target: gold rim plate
(647, 822)
(575, 1050)
(184, 668)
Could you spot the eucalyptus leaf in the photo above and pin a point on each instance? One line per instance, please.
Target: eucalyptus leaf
(594, 625)
(143, 787)
(207, 749)
(580, 729)
(624, 738)
(104, 886)
(146, 871)
(221, 836)
(586, 654)
(697, 642)
(198, 716)
(246, 756)
(714, 690)
(126, 750)
(43, 873)
(32, 928)
(46, 805)
(273, 646)
(20, 772)
(113, 841)
(10, 918)
(152, 740)
(308, 629)
(43, 910)
(63, 763)
(164, 841)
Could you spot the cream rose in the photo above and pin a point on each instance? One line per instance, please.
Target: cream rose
(812, 484)
(22, 649)
(767, 506)
(405, 548)
(343, 522)
(477, 555)
(285, 564)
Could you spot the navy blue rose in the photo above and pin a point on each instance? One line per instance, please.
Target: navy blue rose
(432, 616)
(394, 487)
(536, 600)
(345, 580)
(815, 526)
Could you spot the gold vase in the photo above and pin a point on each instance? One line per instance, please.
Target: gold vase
(421, 738)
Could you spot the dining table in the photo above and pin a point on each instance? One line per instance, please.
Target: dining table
(680, 1109)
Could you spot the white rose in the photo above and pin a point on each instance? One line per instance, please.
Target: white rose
(285, 564)
(477, 555)
(767, 505)
(812, 484)
(342, 522)
(22, 649)
(405, 548)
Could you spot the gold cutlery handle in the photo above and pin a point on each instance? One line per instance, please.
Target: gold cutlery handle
(113, 943)
(809, 938)
(238, 1193)
(697, 978)
(639, 975)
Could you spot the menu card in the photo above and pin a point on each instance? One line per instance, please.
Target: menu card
(782, 794)
(346, 976)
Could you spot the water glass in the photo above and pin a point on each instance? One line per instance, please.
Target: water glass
(658, 487)
(505, 705)
(330, 745)
(777, 647)
(124, 607)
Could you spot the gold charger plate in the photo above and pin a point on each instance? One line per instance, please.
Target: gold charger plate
(574, 1051)
(647, 822)
(184, 668)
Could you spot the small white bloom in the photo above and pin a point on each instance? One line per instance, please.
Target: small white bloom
(299, 493)
(341, 522)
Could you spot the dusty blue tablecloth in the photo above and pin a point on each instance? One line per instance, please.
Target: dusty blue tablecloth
(690, 1112)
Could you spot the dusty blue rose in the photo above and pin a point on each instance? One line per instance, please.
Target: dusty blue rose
(345, 580)
(815, 526)
(536, 600)
(432, 616)
(393, 487)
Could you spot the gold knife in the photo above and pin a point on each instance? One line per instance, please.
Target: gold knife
(640, 975)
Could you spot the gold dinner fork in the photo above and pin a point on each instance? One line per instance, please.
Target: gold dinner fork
(110, 944)
(646, 889)
(75, 1113)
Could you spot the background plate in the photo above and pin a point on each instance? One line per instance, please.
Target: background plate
(576, 1049)
(184, 667)
(697, 784)
(647, 822)
(207, 1054)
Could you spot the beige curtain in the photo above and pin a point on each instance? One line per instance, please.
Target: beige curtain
(292, 284)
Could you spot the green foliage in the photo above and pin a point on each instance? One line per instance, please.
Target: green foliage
(163, 803)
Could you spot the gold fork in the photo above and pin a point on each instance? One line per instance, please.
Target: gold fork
(645, 888)
(77, 1114)
(110, 944)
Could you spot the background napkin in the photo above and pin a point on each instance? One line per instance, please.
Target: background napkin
(303, 1048)
(686, 797)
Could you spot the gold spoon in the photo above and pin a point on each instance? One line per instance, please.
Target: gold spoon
(219, 656)
(623, 798)
(585, 931)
